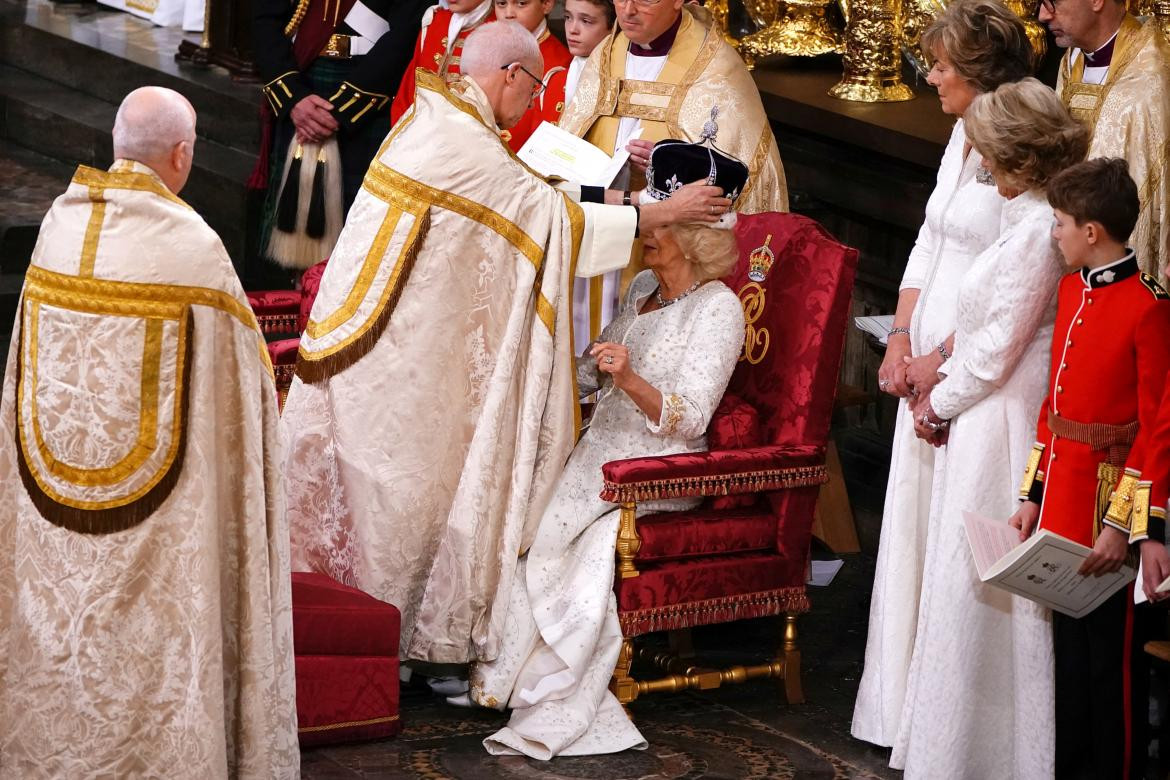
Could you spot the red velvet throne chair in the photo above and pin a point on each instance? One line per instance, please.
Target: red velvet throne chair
(744, 551)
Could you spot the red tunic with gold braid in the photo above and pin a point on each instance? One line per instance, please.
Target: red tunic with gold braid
(1110, 357)
(431, 53)
(551, 103)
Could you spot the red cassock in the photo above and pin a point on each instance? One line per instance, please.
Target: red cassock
(431, 53)
(551, 103)
(1110, 357)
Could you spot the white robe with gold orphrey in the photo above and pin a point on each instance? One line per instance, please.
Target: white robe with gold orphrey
(701, 72)
(145, 605)
(434, 404)
(1129, 117)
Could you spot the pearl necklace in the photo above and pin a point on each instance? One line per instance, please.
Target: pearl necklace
(664, 302)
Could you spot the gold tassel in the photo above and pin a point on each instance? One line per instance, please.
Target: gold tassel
(315, 371)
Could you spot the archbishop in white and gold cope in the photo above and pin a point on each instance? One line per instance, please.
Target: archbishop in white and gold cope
(145, 605)
(1115, 77)
(434, 404)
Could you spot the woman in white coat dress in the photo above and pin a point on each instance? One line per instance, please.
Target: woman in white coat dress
(979, 697)
(660, 370)
(976, 45)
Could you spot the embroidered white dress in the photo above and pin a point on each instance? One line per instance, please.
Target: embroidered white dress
(979, 696)
(962, 219)
(561, 638)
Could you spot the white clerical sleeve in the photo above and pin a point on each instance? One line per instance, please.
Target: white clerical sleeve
(608, 237)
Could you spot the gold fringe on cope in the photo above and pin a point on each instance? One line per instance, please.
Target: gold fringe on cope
(115, 518)
(315, 370)
(717, 485)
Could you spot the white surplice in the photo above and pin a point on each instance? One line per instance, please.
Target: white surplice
(561, 637)
(979, 696)
(962, 219)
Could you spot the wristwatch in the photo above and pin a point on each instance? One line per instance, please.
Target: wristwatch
(626, 199)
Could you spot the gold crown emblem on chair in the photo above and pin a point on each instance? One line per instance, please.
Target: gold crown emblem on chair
(760, 261)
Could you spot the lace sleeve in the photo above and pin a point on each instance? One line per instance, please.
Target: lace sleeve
(1022, 295)
(713, 347)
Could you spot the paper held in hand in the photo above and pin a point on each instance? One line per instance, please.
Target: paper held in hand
(551, 151)
(1139, 593)
(1043, 569)
(878, 326)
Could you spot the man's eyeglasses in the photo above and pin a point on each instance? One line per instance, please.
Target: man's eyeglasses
(638, 3)
(538, 90)
(1049, 5)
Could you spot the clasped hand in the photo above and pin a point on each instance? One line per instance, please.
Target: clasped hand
(313, 120)
(936, 432)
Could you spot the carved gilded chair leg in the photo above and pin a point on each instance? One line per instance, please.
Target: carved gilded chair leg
(628, 542)
(790, 654)
(621, 684)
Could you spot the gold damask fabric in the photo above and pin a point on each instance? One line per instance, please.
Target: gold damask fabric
(702, 71)
(1129, 116)
(145, 601)
(434, 405)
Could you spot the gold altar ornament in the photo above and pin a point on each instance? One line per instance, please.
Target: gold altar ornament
(873, 54)
(797, 28)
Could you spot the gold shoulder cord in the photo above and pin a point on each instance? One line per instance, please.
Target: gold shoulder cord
(297, 17)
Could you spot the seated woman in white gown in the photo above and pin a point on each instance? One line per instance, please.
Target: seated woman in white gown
(660, 369)
(980, 697)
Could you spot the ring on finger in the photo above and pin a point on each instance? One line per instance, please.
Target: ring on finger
(609, 360)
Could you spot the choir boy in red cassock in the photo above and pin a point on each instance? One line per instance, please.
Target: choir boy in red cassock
(445, 28)
(547, 107)
(1110, 356)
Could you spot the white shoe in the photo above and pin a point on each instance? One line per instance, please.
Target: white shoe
(462, 700)
(448, 686)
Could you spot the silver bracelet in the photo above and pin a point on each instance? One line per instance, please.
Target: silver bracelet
(942, 350)
(899, 330)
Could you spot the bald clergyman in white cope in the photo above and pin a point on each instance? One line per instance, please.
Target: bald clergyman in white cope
(435, 404)
(145, 600)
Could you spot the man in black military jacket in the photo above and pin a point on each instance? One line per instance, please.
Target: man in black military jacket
(331, 68)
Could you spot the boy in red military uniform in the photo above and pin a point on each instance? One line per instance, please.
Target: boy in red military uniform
(1110, 356)
(533, 15)
(440, 45)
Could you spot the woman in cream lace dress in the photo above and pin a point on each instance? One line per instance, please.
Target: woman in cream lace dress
(660, 370)
(976, 45)
(979, 697)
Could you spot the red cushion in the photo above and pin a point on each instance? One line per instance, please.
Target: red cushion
(703, 532)
(284, 351)
(734, 426)
(274, 301)
(702, 591)
(310, 285)
(334, 619)
(346, 698)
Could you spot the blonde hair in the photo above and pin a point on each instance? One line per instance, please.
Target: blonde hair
(1026, 132)
(985, 42)
(712, 251)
